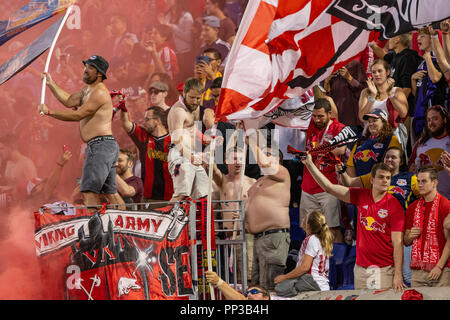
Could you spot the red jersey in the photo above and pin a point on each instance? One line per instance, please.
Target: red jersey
(375, 223)
(314, 138)
(153, 152)
(443, 212)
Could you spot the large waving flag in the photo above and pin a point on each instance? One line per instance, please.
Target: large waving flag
(284, 47)
(29, 15)
(28, 54)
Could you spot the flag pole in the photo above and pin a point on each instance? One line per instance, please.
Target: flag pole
(236, 224)
(212, 146)
(50, 53)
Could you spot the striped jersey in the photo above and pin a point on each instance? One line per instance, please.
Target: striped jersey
(153, 152)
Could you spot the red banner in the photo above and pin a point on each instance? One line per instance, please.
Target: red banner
(115, 255)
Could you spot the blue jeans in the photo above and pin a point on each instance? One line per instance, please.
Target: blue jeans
(406, 270)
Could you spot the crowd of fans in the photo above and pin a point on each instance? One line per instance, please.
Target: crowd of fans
(395, 95)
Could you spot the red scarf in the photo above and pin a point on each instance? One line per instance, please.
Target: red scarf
(431, 247)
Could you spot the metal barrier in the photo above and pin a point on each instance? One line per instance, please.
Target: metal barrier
(231, 254)
(230, 259)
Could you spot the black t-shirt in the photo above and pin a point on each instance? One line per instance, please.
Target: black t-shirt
(403, 65)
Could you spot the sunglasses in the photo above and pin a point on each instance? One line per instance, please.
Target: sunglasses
(252, 291)
(154, 91)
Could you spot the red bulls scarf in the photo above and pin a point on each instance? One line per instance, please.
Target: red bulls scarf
(427, 257)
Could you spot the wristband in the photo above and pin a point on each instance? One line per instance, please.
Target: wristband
(444, 32)
(371, 99)
(393, 93)
(439, 267)
(344, 168)
(59, 164)
(221, 281)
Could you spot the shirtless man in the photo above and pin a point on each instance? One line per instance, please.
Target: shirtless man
(189, 177)
(92, 107)
(229, 186)
(267, 218)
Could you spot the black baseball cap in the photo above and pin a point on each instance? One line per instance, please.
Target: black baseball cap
(99, 63)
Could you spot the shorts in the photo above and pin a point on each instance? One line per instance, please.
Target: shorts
(329, 205)
(188, 180)
(99, 169)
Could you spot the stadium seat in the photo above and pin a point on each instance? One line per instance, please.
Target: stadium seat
(348, 265)
(335, 275)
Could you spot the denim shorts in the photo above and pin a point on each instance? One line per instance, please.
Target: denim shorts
(99, 169)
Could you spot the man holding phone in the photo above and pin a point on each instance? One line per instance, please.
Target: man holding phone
(207, 70)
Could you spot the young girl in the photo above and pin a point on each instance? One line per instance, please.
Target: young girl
(311, 273)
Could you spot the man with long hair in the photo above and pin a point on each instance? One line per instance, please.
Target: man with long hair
(434, 141)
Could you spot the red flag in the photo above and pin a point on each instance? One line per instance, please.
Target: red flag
(285, 47)
(278, 41)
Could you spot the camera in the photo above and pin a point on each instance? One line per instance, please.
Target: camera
(206, 59)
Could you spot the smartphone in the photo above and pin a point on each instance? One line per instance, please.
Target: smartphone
(203, 58)
(436, 25)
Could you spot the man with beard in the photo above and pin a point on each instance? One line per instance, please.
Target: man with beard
(428, 83)
(321, 129)
(189, 177)
(380, 227)
(433, 142)
(152, 141)
(129, 186)
(92, 108)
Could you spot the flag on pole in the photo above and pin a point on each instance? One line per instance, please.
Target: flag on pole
(29, 15)
(283, 47)
(28, 54)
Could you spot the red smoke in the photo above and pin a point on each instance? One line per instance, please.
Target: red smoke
(19, 270)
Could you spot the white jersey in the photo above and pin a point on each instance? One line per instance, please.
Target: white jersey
(320, 266)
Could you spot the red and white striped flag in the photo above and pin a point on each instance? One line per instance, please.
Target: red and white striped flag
(284, 47)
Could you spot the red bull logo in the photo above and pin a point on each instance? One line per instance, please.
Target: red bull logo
(371, 225)
(365, 156)
(398, 190)
(424, 159)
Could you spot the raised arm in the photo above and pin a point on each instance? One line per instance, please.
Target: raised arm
(68, 100)
(340, 192)
(366, 99)
(95, 101)
(346, 180)
(55, 177)
(269, 165)
(379, 52)
(434, 74)
(125, 121)
(441, 59)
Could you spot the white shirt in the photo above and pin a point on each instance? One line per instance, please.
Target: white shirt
(429, 154)
(320, 266)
